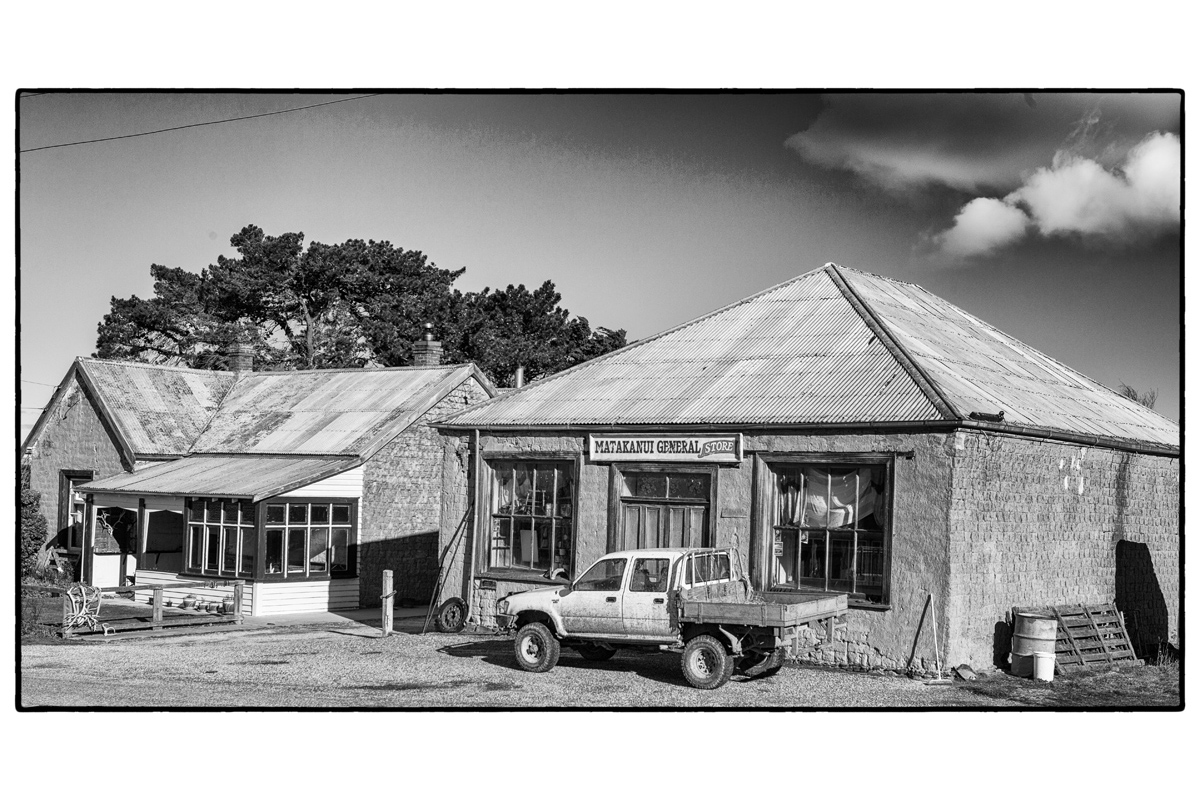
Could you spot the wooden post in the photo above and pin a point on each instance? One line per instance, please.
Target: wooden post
(237, 602)
(66, 615)
(389, 598)
(156, 618)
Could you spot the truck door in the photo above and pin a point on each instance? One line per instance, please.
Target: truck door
(593, 606)
(647, 609)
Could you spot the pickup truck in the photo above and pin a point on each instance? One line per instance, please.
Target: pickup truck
(686, 601)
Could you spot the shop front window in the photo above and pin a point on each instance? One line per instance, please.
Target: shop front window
(532, 507)
(831, 532)
(222, 537)
(308, 539)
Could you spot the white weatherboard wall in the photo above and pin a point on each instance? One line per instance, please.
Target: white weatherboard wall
(332, 595)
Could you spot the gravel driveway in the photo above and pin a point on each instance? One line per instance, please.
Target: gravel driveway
(351, 666)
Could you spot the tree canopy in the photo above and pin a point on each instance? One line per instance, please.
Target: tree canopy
(352, 304)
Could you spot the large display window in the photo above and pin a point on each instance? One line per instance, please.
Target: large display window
(830, 529)
(532, 506)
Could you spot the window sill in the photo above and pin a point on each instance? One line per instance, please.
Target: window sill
(851, 603)
(519, 576)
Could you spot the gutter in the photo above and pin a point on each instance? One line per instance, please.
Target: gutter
(1027, 431)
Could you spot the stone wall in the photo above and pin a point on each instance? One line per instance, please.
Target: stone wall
(402, 506)
(74, 438)
(1037, 523)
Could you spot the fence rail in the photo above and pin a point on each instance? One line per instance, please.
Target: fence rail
(77, 610)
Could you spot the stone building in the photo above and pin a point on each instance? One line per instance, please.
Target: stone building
(843, 432)
(306, 484)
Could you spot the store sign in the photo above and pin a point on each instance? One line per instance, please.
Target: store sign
(702, 449)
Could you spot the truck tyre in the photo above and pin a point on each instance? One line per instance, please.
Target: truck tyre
(536, 648)
(594, 652)
(706, 665)
(451, 616)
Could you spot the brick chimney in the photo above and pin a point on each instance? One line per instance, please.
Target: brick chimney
(241, 357)
(427, 352)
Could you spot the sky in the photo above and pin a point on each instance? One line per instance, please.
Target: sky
(1053, 217)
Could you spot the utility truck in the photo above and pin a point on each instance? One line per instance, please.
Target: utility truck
(684, 601)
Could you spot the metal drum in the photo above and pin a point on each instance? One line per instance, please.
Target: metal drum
(1033, 634)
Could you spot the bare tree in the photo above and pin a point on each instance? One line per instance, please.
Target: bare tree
(1146, 398)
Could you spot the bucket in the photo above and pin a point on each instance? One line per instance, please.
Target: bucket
(1043, 666)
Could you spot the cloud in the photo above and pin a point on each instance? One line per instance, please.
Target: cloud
(1078, 196)
(979, 143)
(984, 225)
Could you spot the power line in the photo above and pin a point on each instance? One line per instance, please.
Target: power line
(39, 383)
(199, 124)
(32, 94)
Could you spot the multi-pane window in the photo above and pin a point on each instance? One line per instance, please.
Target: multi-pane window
(222, 537)
(664, 509)
(831, 529)
(307, 539)
(72, 508)
(531, 515)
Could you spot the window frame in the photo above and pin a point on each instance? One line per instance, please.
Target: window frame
(617, 498)
(306, 577)
(259, 573)
(66, 479)
(569, 463)
(767, 502)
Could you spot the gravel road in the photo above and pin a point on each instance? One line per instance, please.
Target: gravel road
(351, 666)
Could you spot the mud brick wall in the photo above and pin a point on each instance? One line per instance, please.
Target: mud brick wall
(402, 506)
(1038, 523)
(74, 438)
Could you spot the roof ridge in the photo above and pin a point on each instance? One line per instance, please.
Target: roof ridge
(148, 365)
(632, 345)
(898, 351)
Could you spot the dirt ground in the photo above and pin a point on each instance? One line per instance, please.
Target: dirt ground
(351, 666)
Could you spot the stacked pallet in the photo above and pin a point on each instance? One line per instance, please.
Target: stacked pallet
(1088, 636)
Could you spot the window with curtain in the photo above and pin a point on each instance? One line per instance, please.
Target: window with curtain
(831, 529)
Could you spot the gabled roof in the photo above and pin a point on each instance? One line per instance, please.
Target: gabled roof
(152, 411)
(832, 347)
(345, 412)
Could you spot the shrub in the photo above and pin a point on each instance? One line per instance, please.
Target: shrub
(33, 526)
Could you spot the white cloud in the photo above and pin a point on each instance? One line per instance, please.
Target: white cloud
(982, 226)
(1078, 196)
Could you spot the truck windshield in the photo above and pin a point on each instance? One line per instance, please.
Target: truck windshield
(604, 576)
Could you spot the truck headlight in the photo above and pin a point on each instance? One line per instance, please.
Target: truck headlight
(502, 607)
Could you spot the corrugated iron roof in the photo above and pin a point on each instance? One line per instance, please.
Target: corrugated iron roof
(982, 369)
(325, 412)
(158, 410)
(796, 353)
(251, 477)
(810, 352)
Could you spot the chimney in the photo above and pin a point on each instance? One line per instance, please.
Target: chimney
(241, 357)
(427, 352)
(519, 378)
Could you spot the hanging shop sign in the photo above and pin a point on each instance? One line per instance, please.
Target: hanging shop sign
(702, 449)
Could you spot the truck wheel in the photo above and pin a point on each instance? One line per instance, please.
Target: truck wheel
(594, 652)
(451, 616)
(536, 648)
(706, 665)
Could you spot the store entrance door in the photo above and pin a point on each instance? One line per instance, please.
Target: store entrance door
(663, 525)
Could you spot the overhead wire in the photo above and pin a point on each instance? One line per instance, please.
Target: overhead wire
(199, 124)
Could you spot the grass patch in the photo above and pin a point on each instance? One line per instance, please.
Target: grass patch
(1119, 687)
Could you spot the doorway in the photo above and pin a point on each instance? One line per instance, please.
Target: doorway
(662, 508)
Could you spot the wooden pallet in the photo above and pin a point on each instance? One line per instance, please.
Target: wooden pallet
(1088, 636)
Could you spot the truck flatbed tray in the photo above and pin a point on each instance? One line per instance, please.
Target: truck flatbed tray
(770, 614)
